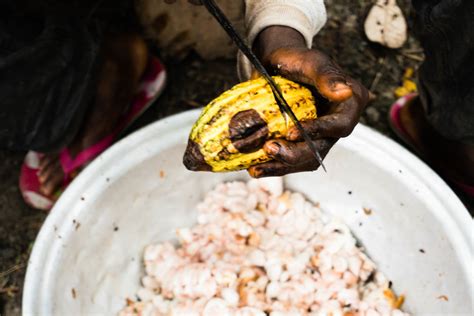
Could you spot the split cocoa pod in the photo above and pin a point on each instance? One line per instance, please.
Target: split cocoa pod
(231, 130)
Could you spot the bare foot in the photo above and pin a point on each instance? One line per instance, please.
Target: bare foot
(125, 59)
(455, 159)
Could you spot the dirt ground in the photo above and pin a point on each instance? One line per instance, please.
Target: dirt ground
(194, 82)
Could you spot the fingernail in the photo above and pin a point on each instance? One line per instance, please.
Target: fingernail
(273, 148)
(340, 86)
(292, 134)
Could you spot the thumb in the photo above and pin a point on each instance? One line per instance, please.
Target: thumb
(314, 68)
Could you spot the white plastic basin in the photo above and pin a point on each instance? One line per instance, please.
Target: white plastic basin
(87, 257)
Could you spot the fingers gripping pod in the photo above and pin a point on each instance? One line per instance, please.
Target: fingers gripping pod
(285, 109)
(232, 128)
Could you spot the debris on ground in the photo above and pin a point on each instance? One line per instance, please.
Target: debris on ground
(408, 85)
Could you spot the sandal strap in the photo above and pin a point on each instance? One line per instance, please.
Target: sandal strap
(70, 164)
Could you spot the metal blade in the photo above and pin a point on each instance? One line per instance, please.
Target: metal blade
(282, 104)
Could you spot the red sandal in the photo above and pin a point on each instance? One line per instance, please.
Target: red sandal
(150, 88)
(399, 129)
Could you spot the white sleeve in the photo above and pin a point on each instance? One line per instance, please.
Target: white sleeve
(305, 16)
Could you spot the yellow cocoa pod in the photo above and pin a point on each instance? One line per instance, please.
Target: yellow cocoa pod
(232, 129)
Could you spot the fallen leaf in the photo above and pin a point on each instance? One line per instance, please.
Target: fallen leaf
(385, 24)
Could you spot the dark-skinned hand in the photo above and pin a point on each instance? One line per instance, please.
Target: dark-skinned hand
(283, 51)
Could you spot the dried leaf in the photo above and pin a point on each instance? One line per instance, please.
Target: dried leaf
(385, 24)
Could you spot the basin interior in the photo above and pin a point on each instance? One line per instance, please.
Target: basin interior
(88, 257)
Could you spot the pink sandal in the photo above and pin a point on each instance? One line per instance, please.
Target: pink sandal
(152, 84)
(397, 127)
